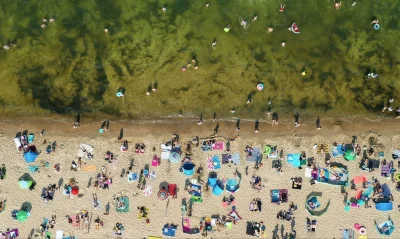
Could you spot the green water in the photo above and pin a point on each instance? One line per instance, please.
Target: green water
(74, 66)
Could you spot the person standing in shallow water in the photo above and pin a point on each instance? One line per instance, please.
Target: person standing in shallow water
(237, 124)
(318, 122)
(256, 126)
(296, 119)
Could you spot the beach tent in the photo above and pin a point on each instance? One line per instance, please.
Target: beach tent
(350, 155)
(333, 176)
(212, 179)
(294, 160)
(385, 228)
(384, 206)
(232, 185)
(218, 188)
(22, 215)
(188, 168)
(25, 183)
(312, 204)
(30, 156)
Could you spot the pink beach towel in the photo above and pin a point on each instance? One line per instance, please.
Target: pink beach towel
(210, 164)
(218, 146)
(186, 225)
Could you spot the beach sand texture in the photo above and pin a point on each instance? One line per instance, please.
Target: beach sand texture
(329, 224)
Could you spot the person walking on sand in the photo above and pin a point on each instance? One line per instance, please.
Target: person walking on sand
(200, 122)
(256, 130)
(296, 119)
(318, 122)
(216, 129)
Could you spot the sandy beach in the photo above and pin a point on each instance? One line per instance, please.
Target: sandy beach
(285, 137)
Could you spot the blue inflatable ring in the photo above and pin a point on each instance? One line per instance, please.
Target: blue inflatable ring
(376, 26)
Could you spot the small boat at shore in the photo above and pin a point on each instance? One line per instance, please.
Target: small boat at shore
(294, 28)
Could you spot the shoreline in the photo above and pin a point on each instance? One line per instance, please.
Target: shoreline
(189, 126)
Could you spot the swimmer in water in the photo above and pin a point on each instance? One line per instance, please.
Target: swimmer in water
(214, 44)
(282, 8)
(254, 18)
(283, 44)
(270, 29)
(52, 20)
(43, 26)
(375, 22)
(164, 9)
(337, 5)
(353, 4)
(243, 22)
(207, 4)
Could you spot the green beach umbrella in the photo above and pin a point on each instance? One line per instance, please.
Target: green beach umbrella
(22, 216)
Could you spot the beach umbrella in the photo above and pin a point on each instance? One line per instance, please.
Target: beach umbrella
(22, 216)
(75, 191)
(25, 184)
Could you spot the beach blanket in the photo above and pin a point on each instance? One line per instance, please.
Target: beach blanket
(85, 151)
(98, 207)
(218, 146)
(216, 162)
(386, 170)
(235, 158)
(186, 225)
(148, 190)
(132, 176)
(89, 168)
(338, 150)
(255, 155)
(385, 190)
(226, 158)
(125, 207)
(225, 204)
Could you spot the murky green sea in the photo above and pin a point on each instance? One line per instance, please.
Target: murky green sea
(73, 66)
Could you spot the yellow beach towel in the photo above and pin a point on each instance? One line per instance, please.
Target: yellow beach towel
(89, 168)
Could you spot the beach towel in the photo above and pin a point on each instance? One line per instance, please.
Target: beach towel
(225, 204)
(226, 158)
(255, 155)
(322, 147)
(89, 168)
(186, 225)
(235, 158)
(125, 207)
(98, 204)
(210, 164)
(132, 176)
(218, 146)
(165, 155)
(216, 162)
(17, 143)
(148, 190)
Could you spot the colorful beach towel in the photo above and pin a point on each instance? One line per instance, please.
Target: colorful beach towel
(125, 205)
(218, 146)
(148, 190)
(216, 162)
